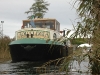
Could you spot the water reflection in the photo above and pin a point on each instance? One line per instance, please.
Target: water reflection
(19, 68)
(31, 68)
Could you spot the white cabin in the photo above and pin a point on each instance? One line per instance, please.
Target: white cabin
(43, 29)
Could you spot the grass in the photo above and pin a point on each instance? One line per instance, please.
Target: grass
(4, 48)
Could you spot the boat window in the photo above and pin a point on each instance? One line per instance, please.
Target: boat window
(43, 26)
(27, 25)
(49, 24)
(38, 24)
(57, 27)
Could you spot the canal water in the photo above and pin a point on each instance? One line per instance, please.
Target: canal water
(33, 68)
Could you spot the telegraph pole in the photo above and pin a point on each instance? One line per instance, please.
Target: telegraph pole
(1, 29)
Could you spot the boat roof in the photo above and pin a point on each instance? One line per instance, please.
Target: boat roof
(41, 19)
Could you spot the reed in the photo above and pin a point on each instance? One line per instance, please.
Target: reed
(4, 48)
(63, 64)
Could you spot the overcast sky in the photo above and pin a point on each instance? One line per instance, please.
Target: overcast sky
(12, 12)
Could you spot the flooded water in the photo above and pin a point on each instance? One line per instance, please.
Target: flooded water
(33, 68)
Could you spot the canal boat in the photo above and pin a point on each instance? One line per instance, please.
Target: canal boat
(38, 40)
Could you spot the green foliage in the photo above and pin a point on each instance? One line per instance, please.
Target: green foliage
(89, 11)
(77, 41)
(89, 27)
(38, 9)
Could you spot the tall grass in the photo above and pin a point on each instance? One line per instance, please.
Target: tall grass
(4, 48)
